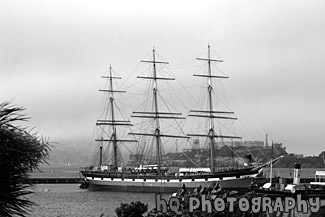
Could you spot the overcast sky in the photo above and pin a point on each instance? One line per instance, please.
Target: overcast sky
(52, 54)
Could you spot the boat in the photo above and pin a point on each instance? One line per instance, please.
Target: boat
(156, 178)
(319, 178)
(275, 188)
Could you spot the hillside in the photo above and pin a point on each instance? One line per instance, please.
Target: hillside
(74, 154)
(80, 154)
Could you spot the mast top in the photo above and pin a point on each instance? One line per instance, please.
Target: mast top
(209, 59)
(153, 59)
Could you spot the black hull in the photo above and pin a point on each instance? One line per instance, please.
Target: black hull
(239, 180)
(241, 185)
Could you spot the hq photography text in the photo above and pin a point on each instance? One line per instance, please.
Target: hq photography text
(229, 204)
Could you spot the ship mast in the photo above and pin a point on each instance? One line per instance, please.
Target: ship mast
(210, 113)
(112, 121)
(156, 114)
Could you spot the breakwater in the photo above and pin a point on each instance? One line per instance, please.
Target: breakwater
(53, 180)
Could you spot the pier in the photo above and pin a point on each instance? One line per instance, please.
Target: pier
(55, 180)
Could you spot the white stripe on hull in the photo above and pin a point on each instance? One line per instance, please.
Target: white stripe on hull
(164, 185)
(168, 180)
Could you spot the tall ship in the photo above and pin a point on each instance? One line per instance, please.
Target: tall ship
(156, 177)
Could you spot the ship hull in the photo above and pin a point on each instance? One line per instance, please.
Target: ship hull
(166, 184)
(241, 185)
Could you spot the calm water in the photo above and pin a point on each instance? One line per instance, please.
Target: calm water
(65, 200)
(68, 200)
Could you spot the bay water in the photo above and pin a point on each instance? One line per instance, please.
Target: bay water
(65, 200)
(54, 200)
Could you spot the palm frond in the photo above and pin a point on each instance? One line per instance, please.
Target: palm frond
(20, 151)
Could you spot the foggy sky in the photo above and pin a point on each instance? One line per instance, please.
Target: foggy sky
(52, 54)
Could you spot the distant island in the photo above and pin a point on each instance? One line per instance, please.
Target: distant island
(236, 154)
(226, 153)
